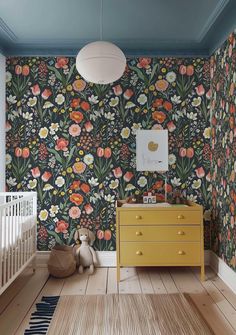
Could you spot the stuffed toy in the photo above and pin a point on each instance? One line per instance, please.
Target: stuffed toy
(85, 254)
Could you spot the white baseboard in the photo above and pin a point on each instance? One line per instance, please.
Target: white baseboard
(223, 271)
(105, 258)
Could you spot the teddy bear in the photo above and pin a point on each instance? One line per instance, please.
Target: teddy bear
(85, 254)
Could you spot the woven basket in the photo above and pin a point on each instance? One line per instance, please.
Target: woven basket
(61, 262)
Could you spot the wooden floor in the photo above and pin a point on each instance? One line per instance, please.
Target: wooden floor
(213, 298)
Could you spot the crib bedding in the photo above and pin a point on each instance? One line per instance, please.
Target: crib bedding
(11, 232)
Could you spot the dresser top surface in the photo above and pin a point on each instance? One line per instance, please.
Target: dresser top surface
(190, 206)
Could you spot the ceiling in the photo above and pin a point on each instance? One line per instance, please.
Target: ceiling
(139, 27)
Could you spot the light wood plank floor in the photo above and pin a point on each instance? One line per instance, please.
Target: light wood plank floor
(213, 298)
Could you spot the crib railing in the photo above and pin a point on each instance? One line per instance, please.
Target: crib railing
(18, 221)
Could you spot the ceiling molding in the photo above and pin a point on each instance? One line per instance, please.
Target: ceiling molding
(7, 31)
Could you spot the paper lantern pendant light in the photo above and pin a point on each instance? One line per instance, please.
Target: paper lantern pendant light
(100, 62)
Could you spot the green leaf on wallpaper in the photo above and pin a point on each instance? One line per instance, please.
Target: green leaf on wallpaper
(55, 235)
(70, 74)
(139, 73)
(71, 236)
(57, 73)
(153, 72)
(57, 156)
(71, 154)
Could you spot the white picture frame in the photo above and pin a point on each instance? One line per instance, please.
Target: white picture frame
(152, 150)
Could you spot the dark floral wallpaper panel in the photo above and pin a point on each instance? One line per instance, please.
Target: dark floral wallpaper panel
(223, 107)
(74, 142)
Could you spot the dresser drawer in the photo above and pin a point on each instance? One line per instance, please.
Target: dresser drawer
(159, 217)
(159, 253)
(160, 233)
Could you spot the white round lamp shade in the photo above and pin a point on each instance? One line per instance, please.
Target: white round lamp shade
(100, 62)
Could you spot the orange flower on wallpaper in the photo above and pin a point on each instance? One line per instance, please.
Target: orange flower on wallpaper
(79, 167)
(61, 62)
(85, 188)
(85, 106)
(157, 103)
(76, 116)
(76, 198)
(161, 85)
(62, 144)
(61, 226)
(75, 103)
(79, 85)
(75, 185)
(159, 116)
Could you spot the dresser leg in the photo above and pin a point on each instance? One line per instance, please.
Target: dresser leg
(202, 273)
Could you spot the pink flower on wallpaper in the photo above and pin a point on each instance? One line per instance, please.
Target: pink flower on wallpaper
(182, 152)
(25, 152)
(46, 93)
(182, 69)
(79, 85)
(190, 70)
(144, 62)
(117, 172)
(35, 89)
(88, 209)
(200, 90)
(128, 93)
(128, 176)
(117, 90)
(74, 212)
(200, 172)
(62, 144)
(61, 62)
(171, 126)
(74, 130)
(46, 176)
(88, 126)
(35, 172)
(190, 152)
(61, 227)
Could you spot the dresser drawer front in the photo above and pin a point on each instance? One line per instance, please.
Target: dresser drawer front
(151, 253)
(178, 217)
(160, 233)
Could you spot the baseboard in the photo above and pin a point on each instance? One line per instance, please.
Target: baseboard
(223, 271)
(105, 258)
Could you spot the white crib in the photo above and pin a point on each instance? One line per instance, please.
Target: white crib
(18, 229)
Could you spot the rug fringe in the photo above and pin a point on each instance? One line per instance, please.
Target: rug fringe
(40, 320)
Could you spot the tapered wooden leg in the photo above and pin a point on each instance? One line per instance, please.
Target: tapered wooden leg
(202, 272)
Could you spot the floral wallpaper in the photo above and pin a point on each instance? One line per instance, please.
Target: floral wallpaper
(74, 142)
(223, 107)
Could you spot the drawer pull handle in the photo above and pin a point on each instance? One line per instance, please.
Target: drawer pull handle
(181, 232)
(180, 217)
(139, 233)
(139, 253)
(138, 217)
(181, 252)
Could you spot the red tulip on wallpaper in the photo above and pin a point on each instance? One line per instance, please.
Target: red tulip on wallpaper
(168, 106)
(88, 209)
(190, 70)
(200, 172)
(100, 152)
(128, 93)
(117, 90)
(182, 69)
(107, 152)
(62, 144)
(128, 176)
(200, 90)
(46, 93)
(182, 152)
(61, 226)
(190, 152)
(46, 176)
(171, 126)
(100, 234)
(18, 152)
(25, 70)
(18, 69)
(107, 235)
(25, 152)
(88, 126)
(35, 172)
(117, 172)
(35, 89)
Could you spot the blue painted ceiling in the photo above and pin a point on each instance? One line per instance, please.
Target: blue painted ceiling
(139, 27)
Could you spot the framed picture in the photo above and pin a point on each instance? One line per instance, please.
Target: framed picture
(152, 150)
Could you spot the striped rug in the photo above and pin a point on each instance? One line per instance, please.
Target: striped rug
(132, 314)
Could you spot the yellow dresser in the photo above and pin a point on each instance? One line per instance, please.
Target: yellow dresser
(159, 235)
